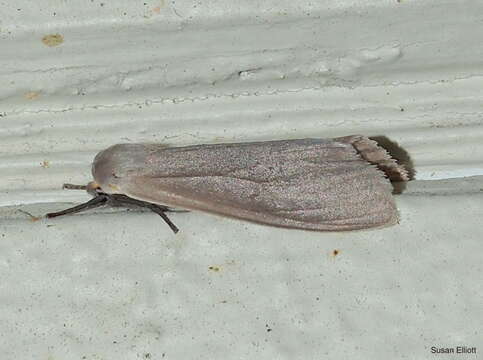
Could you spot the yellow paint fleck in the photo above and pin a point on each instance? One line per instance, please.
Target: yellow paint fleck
(113, 187)
(52, 40)
(214, 268)
(31, 95)
(219, 139)
(45, 164)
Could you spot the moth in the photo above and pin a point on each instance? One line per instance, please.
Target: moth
(313, 184)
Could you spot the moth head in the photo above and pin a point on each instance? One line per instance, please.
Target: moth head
(112, 166)
(94, 188)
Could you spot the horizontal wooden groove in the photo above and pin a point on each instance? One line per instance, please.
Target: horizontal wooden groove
(241, 81)
(441, 133)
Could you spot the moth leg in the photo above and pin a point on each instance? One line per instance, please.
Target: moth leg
(74, 187)
(158, 209)
(120, 200)
(92, 203)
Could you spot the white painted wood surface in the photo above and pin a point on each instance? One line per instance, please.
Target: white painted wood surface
(117, 284)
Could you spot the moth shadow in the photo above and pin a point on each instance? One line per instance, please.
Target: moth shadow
(401, 156)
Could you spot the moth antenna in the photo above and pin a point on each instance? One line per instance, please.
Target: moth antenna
(74, 187)
(92, 203)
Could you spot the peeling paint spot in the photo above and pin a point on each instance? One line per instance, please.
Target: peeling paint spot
(381, 55)
(32, 95)
(45, 164)
(52, 40)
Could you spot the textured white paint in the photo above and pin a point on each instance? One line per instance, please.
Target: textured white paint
(119, 285)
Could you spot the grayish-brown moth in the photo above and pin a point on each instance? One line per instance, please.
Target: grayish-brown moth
(314, 184)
